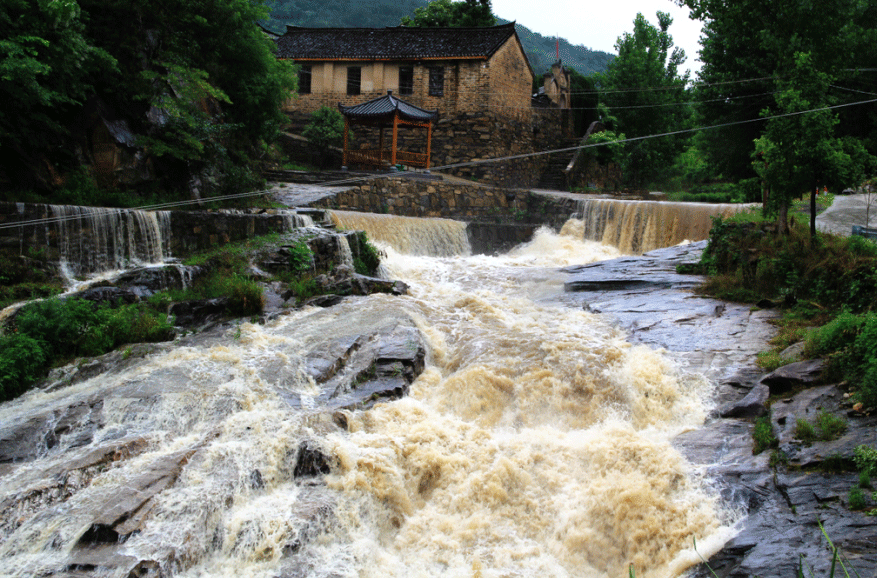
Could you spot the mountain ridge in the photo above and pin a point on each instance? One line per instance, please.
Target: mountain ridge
(540, 50)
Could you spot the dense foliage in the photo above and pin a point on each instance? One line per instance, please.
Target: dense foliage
(325, 128)
(642, 93)
(196, 82)
(53, 330)
(799, 152)
(452, 13)
(827, 280)
(751, 47)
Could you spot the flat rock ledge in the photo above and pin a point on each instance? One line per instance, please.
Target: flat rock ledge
(779, 509)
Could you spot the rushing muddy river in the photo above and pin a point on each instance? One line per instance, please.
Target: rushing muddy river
(535, 443)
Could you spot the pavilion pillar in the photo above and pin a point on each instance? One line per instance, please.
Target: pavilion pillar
(395, 137)
(428, 145)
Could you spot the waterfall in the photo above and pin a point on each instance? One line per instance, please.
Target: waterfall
(295, 220)
(92, 240)
(344, 251)
(432, 237)
(637, 227)
(536, 442)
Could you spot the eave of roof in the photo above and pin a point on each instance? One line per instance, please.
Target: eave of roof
(396, 43)
(384, 108)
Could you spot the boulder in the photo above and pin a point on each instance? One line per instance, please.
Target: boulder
(793, 376)
(112, 296)
(199, 312)
(753, 405)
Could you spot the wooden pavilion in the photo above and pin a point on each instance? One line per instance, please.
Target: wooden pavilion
(387, 112)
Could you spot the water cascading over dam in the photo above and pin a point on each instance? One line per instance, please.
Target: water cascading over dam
(636, 227)
(535, 443)
(91, 240)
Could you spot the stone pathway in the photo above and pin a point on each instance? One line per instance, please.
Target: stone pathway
(846, 211)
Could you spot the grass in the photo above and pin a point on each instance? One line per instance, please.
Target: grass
(828, 427)
(762, 435)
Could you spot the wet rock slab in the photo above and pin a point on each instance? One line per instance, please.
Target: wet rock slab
(656, 306)
(779, 529)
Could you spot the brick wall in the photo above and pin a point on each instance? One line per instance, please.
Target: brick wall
(508, 95)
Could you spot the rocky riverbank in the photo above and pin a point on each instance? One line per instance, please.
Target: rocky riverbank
(781, 504)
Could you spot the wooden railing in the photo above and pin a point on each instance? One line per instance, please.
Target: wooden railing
(379, 158)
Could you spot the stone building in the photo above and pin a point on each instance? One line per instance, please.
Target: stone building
(452, 70)
(478, 79)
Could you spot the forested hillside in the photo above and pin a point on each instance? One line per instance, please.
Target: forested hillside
(540, 50)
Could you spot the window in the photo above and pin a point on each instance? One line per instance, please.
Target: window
(304, 79)
(354, 78)
(406, 80)
(437, 81)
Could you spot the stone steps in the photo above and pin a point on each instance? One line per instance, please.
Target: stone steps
(553, 177)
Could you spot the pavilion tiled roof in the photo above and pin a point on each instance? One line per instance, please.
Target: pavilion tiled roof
(383, 108)
(396, 43)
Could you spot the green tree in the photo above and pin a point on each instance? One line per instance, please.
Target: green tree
(325, 129)
(644, 94)
(46, 70)
(800, 152)
(199, 78)
(447, 13)
(584, 100)
(749, 45)
(196, 80)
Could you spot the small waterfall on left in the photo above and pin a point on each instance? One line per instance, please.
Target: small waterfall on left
(92, 239)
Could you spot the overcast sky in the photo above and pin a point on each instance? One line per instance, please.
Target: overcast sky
(598, 25)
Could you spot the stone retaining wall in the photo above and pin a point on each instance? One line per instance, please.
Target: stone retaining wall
(467, 137)
(471, 203)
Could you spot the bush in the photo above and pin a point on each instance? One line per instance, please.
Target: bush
(849, 343)
(325, 128)
(762, 434)
(865, 458)
(301, 257)
(54, 330)
(246, 296)
(22, 362)
(59, 325)
(368, 260)
(856, 499)
(804, 430)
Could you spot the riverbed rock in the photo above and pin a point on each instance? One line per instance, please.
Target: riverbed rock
(111, 296)
(794, 375)
(656, 306)
(777, 509)
(199, 313)
(146, 281)
(753, 405)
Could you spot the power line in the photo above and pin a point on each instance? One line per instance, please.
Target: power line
(354, 180)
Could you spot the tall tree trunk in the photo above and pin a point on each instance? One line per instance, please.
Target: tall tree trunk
(783, 219)
(813, 192)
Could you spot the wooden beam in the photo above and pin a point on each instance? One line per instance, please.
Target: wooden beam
(428, 145)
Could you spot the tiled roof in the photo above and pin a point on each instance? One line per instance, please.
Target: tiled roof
(399, 42)
(383, 108)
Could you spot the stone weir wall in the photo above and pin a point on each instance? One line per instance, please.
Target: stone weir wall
(92, 239)
(498, 218)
